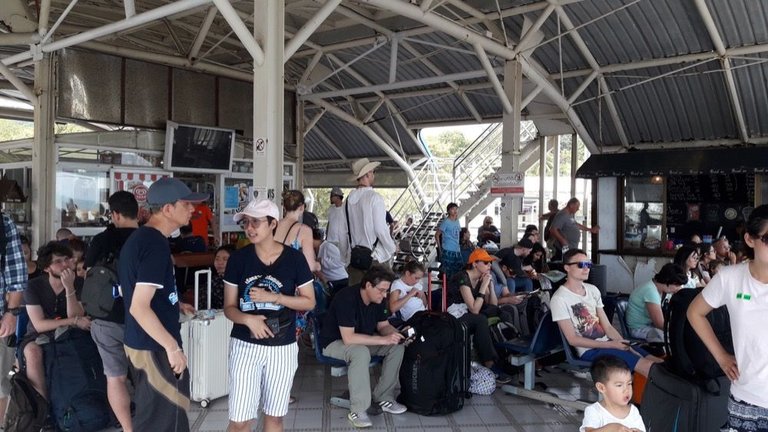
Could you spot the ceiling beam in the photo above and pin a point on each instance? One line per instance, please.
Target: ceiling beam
(308, 28)
(730, 81)
(531, 69)
(584, 50)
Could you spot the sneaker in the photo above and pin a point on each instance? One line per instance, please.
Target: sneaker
(359, 420)
(392, 407)
(501, 377)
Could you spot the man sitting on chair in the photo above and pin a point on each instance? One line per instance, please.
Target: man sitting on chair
(355, 329)
(577, 308)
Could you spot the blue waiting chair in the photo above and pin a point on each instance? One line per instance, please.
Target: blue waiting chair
(571, 356)
(338, 367)
(525, 351)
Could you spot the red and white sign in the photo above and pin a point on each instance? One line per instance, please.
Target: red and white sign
(138, 184)
(508, 184)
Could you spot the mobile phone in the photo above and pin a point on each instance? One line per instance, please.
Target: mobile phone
(632, 343)
(274, 325)
(408, 334)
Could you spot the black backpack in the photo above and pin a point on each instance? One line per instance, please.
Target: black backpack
(77, 386)
(688, 354)
(101, 298)
(27, 409)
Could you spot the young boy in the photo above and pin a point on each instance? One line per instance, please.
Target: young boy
(614, 413)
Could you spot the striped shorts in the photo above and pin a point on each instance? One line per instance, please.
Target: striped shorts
(745, 417)
(260, 374)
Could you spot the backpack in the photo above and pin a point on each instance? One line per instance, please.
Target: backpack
(504, 331)
(688, 354)
(27, 409)
(535, 310)
(76, 383)
(101, 296)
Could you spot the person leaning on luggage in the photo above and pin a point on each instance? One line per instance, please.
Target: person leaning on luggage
(108, 333)
(577, 308)
(743, 290)
(52, 302)
(264, 285)
(355, 329)
(158, 364)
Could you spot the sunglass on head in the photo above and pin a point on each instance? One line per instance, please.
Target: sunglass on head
(581, 264)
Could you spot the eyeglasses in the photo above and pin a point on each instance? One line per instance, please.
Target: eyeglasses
(581, 264)
(763, 238)
(254, 222)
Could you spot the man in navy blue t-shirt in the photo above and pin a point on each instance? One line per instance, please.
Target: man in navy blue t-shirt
(152, 329)
(356, 329)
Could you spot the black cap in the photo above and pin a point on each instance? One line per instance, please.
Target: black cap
(525, 243)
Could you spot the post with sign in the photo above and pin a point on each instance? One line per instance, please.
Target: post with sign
(511, 185)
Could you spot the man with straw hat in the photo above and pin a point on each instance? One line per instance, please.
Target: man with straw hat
(365, 214)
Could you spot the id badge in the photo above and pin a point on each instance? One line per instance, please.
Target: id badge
(247, 306)
(173, 298)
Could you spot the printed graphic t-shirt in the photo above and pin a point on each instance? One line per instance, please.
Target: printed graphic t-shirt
(581, 311)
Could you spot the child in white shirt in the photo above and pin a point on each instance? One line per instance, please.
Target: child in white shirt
(615, 412)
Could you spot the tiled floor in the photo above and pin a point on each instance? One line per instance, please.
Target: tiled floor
(313, 387)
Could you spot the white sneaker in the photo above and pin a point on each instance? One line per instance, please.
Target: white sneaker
(359, 420)
(392, 407)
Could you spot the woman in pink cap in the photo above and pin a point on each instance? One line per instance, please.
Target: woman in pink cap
(264, 285)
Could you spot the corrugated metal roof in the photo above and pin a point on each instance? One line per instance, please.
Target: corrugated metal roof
(690, 105)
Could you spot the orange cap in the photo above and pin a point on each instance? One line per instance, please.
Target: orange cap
(480, 254)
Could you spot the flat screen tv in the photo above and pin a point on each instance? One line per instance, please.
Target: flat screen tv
(202, 149)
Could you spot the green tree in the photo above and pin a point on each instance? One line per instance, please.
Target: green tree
(14, 129)
(448, 144)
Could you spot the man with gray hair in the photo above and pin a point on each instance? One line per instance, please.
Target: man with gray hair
(365, 214)
(565, 231)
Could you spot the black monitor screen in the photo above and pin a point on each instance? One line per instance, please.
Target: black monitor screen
(200, 149)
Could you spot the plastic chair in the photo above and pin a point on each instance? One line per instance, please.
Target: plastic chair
(570, 355)
(338, 366)
(526, 350)
(621, 314)
(545, 341)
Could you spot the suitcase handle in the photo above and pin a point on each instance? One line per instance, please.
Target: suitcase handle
(197, 286)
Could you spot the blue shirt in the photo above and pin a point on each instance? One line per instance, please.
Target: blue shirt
(450, 230)
(637, 312)
(289, 272)
(146, 259)
(14, 274)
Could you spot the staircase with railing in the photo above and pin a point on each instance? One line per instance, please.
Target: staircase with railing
(441, 181)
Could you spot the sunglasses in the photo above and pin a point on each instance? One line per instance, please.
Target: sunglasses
(256, 223)
(581, 264)
(763, 238)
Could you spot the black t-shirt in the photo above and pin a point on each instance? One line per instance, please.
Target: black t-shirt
(454, 288)
(146, 259)
(513, 262)
(348, 310)
(39, 292)
(104, 244)
(289, 272)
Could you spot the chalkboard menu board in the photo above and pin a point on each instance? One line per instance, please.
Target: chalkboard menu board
(705, 204)
(724, 188)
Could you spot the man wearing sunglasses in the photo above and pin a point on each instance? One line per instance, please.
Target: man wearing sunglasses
(577, 308)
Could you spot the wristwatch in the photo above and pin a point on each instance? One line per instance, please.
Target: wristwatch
(14, 311)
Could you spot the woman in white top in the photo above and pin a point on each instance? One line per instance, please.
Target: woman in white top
(407, 294)
(687, 257)
(743, 289)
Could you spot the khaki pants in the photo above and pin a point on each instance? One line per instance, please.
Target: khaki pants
(358, 357)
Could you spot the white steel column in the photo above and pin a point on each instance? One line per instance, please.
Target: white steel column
(510, 148)
(555, 163)
(542, 183)
(268, 99)
(574, 163)
(44, 154)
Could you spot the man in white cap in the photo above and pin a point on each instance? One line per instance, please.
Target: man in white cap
(152, 329)
(366, 220)
(337, 225)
